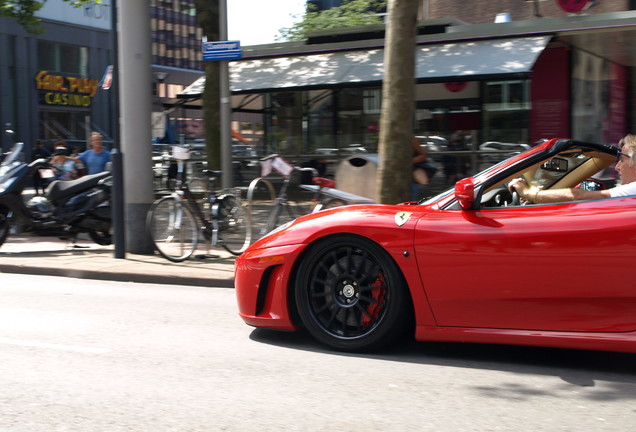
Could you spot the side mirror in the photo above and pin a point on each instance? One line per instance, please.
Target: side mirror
(465, 193)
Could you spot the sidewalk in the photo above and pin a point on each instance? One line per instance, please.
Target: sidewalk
(51, 256)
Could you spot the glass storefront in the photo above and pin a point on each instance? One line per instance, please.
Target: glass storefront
(453, 119)
(320, 121)
(67, 125)
(359, 118)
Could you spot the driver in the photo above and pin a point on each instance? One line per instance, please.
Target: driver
(625, 165)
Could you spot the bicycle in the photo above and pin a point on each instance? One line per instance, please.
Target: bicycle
(175, 221)
(324, 195)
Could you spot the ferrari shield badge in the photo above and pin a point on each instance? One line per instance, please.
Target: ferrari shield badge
(402, 217)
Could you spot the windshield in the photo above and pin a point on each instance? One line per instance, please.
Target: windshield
(13, 154)
(441, 195)
(559, 164)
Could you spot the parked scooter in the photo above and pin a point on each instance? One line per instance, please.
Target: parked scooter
(67, 207)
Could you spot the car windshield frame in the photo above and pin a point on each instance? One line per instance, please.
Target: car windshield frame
(519, 164)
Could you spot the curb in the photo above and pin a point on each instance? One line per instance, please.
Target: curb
(53, 257)
(119, 276)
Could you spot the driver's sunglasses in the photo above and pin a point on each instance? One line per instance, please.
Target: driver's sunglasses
(618, 156)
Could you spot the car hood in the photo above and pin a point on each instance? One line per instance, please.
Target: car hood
(383, 223)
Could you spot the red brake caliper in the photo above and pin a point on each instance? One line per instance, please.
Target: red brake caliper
(378, 295)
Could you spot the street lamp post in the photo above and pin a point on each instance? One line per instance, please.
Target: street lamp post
(225, 105)
(117, 196)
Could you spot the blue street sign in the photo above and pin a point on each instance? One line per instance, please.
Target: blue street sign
(228, 50)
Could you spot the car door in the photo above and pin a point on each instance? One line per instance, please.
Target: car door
(564, 267)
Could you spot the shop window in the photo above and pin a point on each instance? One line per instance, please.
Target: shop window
(506, 111)
(506, 95)
(62, 125)
(285, 122)
(359, 117)
(320, 121)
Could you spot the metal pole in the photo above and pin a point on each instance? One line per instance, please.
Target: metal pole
(225, 106)
(135, 105)
(117, 196)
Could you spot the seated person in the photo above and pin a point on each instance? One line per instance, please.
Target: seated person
(626, 167)
(65, 165)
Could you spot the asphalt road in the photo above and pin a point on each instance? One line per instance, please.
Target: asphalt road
(82, 355)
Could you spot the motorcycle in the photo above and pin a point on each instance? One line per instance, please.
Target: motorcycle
(66, 209)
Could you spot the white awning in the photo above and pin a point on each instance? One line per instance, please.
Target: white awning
(461, 60)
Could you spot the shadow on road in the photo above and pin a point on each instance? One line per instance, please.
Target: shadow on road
(579, 368)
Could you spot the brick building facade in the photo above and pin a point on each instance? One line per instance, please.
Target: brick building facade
(482, 12)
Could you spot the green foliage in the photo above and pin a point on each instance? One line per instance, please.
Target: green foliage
(352, 13)
(23, 11)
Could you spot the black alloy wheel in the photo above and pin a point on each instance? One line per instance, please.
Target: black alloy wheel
(351, 295)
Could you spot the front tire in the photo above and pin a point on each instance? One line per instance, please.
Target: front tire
(5, 223)
(350, 294)
(173, 229)
(102, 238)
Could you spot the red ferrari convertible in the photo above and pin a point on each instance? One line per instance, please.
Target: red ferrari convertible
(473, 264)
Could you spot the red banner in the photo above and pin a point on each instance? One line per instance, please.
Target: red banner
(550, 94)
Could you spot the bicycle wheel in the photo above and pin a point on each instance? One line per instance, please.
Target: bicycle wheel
(272, 219)
(330, 203)
(261, 200)
(234, 225)
(172, 228)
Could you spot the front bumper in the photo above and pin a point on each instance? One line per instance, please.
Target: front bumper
(262, 278)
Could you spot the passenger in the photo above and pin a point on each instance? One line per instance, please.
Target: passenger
(66, 167)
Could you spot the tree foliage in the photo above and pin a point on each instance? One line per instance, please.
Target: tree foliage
(352, 13)
(23, 11)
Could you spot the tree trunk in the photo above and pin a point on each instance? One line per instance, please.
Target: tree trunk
(398, 104)
(208, 19)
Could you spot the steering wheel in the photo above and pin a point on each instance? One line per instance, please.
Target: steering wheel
(516, 200)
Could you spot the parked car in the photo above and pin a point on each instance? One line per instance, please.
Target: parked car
(342, 152)
(495, 152)
(243, 150)
(433, 144)
(473, 264)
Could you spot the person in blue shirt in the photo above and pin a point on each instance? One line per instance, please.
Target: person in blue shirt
(96, 158)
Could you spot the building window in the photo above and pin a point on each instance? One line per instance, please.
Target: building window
(359, 117)
(320, 134)
(71, 59)
(285, 122)
(506, 111)
(507, 95)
